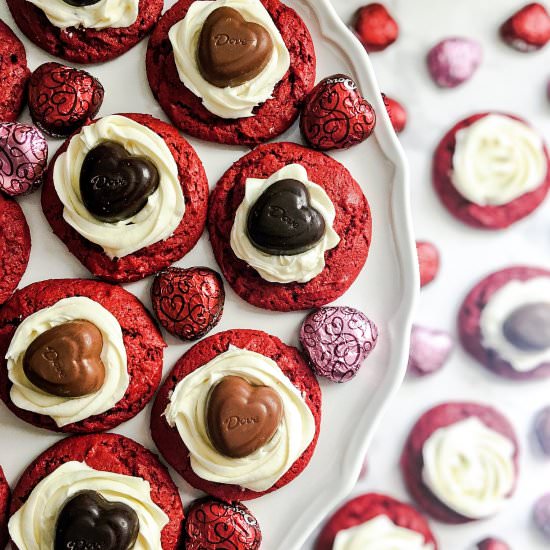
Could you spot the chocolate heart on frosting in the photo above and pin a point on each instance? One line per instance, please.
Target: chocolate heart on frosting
(66, 360)
(87, 521)
(241, 417)
(528, 327)
(231, 50)
(81, 3)
(282, 222)
(114, 184)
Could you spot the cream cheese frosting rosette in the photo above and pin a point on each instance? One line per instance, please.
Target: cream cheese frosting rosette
(497, 159)
(164, 208)
(469, 468)
(300, 267)
(33, 526)
(188, 408)
(228, 102)
(379, 533)
(100, 15)
(67, 410)
(515, 323)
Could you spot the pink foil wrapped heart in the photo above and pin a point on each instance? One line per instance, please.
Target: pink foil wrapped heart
(429, 351)
(337, 340)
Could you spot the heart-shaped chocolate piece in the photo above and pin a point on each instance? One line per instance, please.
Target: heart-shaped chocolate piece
(282, 222)
(114, 184)
(231, 50)
(87, 521)
(81, 3)
(528, 327)
(66, 360)
(241, 417)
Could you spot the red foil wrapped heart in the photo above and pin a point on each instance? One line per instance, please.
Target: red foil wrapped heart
(528, 29)
(212, 524)
(336, 116)
(188, 302)
(62, 99)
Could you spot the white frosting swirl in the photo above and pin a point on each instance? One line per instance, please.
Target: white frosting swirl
(379, 533)
(66, 410)
(236, 101)
(102, 15)
(155, 222)
(263, 468)
(32, 527)
(496, 160)
(469, 467)
(299, 268)
(501, 305)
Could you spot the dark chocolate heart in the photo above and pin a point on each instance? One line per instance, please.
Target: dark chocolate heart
(528, 327)
(87, 521)
(241, 417)
(81, 3)
(231, 50)
(282, 222)
(66, 360)
(114, 184)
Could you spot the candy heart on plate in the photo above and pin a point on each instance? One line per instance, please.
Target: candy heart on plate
(430, 350)
(62, 99)
(375, 27)
(188, 302)
(211, 524)
(528, 29)
(396, 112)
(335, 115)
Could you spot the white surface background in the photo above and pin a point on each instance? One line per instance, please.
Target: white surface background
(509, 81)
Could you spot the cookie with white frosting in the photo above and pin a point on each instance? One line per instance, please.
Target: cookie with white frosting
(106, 481)
(377, 521)
(290, 227)
(127, 195)
(78, 356)
(460, 462)
(231, 71)
(239, 415)
(504, 322)
(4, 509)
(86, 31)
(491, 170)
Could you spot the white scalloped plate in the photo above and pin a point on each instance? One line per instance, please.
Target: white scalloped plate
(386, 289)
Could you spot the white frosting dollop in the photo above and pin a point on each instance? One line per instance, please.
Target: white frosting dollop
(379, 533)
(32, 527)
(499, 307)
(299, 268)
(102, 15)
(230, 102)
(263, 468)
(65, 410)
(496, 160)
(155, 222)
(469, 467)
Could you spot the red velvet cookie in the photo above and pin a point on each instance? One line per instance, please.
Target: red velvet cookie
(4, 509)
(159, 255)
(469, 322)
(271, 119)
(412, 461)
(290, 362)
(15, 246)
(84, 45)
(14, 74)
(109, 453)
(353, 224)
(366, 507)
(484, 217)
(142, 340)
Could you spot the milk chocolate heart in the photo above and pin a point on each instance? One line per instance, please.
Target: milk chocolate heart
(114, 184)
(232, 51)
(66, 360)
(241, 417)
(89, 522)
(282, 222)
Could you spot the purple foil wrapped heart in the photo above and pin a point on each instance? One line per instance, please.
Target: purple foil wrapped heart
(541, 514)
(542, 429)
(453, 61)
(429, 351)
(337, 340)
(23, 157)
